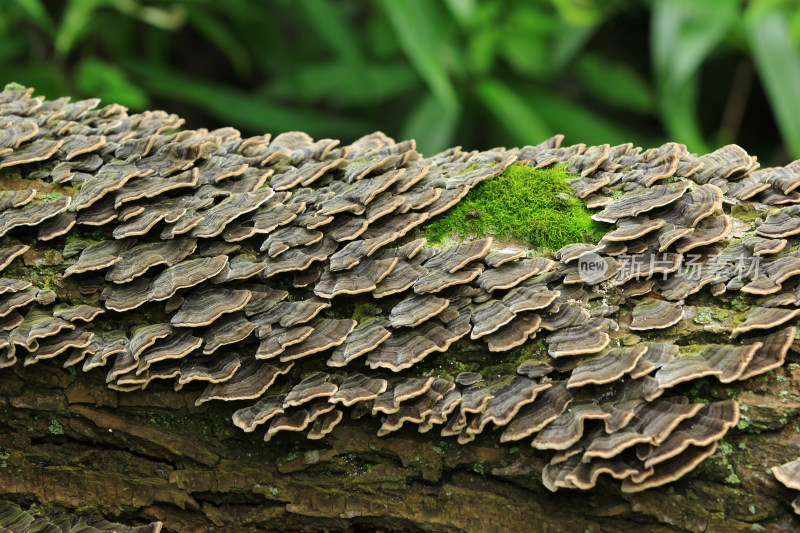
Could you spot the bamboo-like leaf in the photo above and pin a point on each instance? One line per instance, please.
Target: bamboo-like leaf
(569, 42)
(417, 31)
(36, 10)
(614, 83)
(108, 82)
(239, 108)
(75, 21)
(170, 19)
(463, 10)
(678, 108)
(577, 123)
(431, 126)
(777, 60)
(225, 40)
(330, 24)
(579, 13)
(346, 83)
(518, 116)
(684, 33)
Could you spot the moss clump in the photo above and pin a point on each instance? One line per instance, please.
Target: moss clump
(52, 195)
(533, 205)
(55, 427)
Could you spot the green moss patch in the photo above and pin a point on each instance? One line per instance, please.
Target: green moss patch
(536, 206)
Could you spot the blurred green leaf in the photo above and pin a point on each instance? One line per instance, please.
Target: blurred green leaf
(462, 10)
(46, 78)
(684, 34)
(515, 113)
(10, 48)
(109, 83)
(577, 123)
(420, 66)
(234, 106)
(794, 27)
(170, 18)
(526, 38)
(485, 36)
(418, 29)
(570, 40)
(75, 21)
(380, 37)
(777, 60)
(209, 25)
(678, 109)
(580, 12)
(258, 30)
(346, 83)
(431, 126)
(330, 24)
(482, 49)
(615, 83)
(36, 10)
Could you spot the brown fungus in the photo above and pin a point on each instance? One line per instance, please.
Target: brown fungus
(409, 346)
(358, 388)
(607, 367)
(640, 202)
(327, 333)
(725, 362)
(650, 313)
(135, 261)
(248, 418)
(508, 396)
(764, 318)
(399, 391)
(215, 369)
(416, 309)
(206, 305)
(577, 340)
(364, 338)
(228, 330)
(788, 474)
(514, 333)
(511, 274)
(363, 278)
(316, 385)
(250, 381)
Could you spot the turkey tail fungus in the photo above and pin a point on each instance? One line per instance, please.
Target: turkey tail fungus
(166, 293)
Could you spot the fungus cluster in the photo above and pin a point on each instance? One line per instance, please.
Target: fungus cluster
(789, 475)
(230, 266)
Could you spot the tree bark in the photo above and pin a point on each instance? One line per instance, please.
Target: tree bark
(67, 441)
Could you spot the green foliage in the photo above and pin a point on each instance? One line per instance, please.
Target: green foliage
(46, 197)
(444, 72)
(55, 427)
(533, 205)
(777, 58)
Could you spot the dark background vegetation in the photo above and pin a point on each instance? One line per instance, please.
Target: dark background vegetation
(468, 72)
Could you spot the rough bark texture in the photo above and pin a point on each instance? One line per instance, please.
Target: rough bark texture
(67, 441)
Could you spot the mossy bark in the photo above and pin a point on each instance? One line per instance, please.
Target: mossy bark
(67, 441)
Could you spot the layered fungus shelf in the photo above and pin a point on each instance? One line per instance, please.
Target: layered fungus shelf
(292, 278)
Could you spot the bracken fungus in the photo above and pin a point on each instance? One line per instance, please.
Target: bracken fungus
(291, 278)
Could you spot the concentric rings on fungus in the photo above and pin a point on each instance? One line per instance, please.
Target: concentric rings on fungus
(218, 261)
